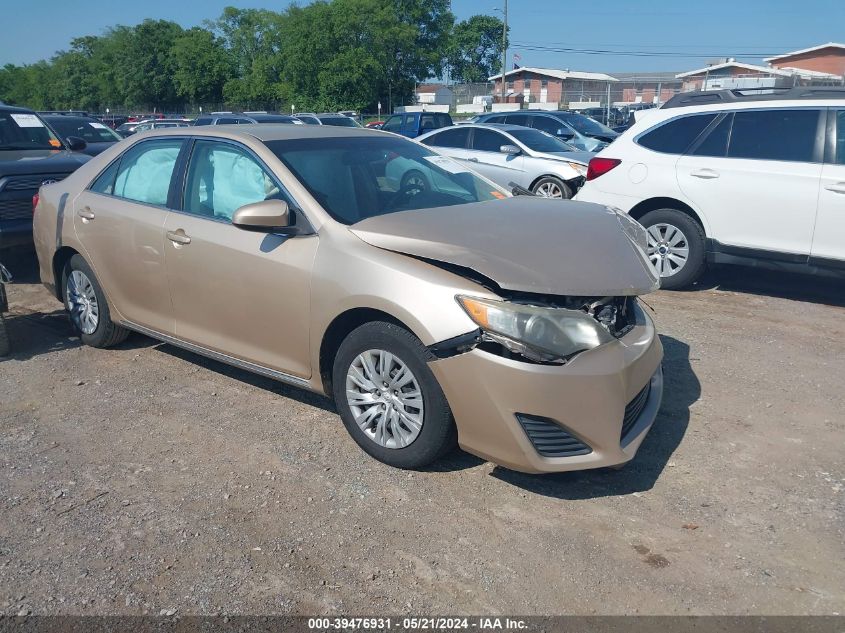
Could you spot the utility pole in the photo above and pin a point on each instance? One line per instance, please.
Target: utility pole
(504, 50)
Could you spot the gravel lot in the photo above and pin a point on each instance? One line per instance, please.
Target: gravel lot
(148, 480)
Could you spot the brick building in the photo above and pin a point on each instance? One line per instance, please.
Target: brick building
(825, 58)
(549, 85)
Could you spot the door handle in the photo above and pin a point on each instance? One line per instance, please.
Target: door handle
(178, 237)
(86, 214)
(837, 187)
(472, 160)
(705, 174)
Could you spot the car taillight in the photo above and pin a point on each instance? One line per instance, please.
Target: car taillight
(600, 166)
(34, 202)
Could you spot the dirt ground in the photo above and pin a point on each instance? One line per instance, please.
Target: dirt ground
(148, 480)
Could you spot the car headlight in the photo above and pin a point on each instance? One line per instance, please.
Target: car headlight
(536, 332)
(581, 169)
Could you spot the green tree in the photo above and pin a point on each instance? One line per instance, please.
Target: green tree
(201, 66)
(475, 50)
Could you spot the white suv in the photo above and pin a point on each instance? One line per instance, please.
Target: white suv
(733, 177)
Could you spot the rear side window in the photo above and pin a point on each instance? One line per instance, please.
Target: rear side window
(105, 181)
(517, 119)
(226, 121)
(455, 137)
(145, 171)
(488, 141)
(676, 136)
(716, 142)
(443, 120)
(494, 119)
(544, 123)
(204, 120)
(774, 135)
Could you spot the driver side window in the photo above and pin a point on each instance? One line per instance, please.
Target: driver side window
(221, 178)
(547, 124)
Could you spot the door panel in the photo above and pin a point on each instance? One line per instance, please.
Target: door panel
(748, 199)
(829, 236)
(123, 238)
(487, 160)
(245, 294)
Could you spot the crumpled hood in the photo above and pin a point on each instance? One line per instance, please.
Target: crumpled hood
(526, 244)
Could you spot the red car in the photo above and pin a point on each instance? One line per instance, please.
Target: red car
(374, 124)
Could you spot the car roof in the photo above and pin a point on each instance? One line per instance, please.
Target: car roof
(8, 108)
(265, 131)
(501, 127)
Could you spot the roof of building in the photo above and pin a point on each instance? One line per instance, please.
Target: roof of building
(557, 74)
(769, 70)
(805, 50)
(751, 67)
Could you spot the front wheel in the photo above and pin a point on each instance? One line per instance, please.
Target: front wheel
(86, 303)
(5, 346)
(551, 187)
(676, 247)
(388, 398)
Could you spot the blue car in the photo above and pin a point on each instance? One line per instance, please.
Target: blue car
(413, 124)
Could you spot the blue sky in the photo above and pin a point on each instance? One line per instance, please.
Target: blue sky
(665, 34)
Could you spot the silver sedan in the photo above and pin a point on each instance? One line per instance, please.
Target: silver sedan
(507, 154)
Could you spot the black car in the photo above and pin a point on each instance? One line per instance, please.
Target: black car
(97, 136)
(238, 118)
(30, 154)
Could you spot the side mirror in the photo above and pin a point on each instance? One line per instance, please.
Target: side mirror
(513, 150)
(76, 144)
(266, 216)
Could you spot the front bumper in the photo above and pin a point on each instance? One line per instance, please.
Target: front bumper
(588, 396)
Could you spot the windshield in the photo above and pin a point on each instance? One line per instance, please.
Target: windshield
(89, 131)
(25, 130)
(358, 177)
(540, 141)
(339, 121)
(586, 125)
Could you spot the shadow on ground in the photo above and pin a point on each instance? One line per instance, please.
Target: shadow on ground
(772, 283)
(681, 390)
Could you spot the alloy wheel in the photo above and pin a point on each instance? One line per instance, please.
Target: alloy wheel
(385, 398)
(82, 302)
(549, 190)
(668, 248)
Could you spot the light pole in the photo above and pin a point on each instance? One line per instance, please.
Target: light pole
(504, 49)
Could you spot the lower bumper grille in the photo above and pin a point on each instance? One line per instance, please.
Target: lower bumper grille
(634, 410)
(550, 439)
(15, 209)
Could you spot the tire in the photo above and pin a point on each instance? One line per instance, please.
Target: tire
(552, 184)
(105, 333)
(436, 434)
(414, 176)
(5, 345)
(660, 223)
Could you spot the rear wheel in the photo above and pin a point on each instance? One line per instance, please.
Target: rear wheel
(551, 187)
(86, 303)
(388, 398)
(676, 247)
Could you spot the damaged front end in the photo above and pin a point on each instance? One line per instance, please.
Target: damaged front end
(545, 330)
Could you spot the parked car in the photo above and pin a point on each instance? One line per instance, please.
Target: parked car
(375, 125)
(576, 129)
(338, 120)
(455, 315)
(629, 114)
(127, 128)
(234, 118)
(733, 177)
(509, 154)
(308, 118)
(414, 124)
(611, 119)
(158, 124)
(97, 136)
(5, 344)
(30, 153)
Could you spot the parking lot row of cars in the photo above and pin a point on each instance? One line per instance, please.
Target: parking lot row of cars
(435, 296)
